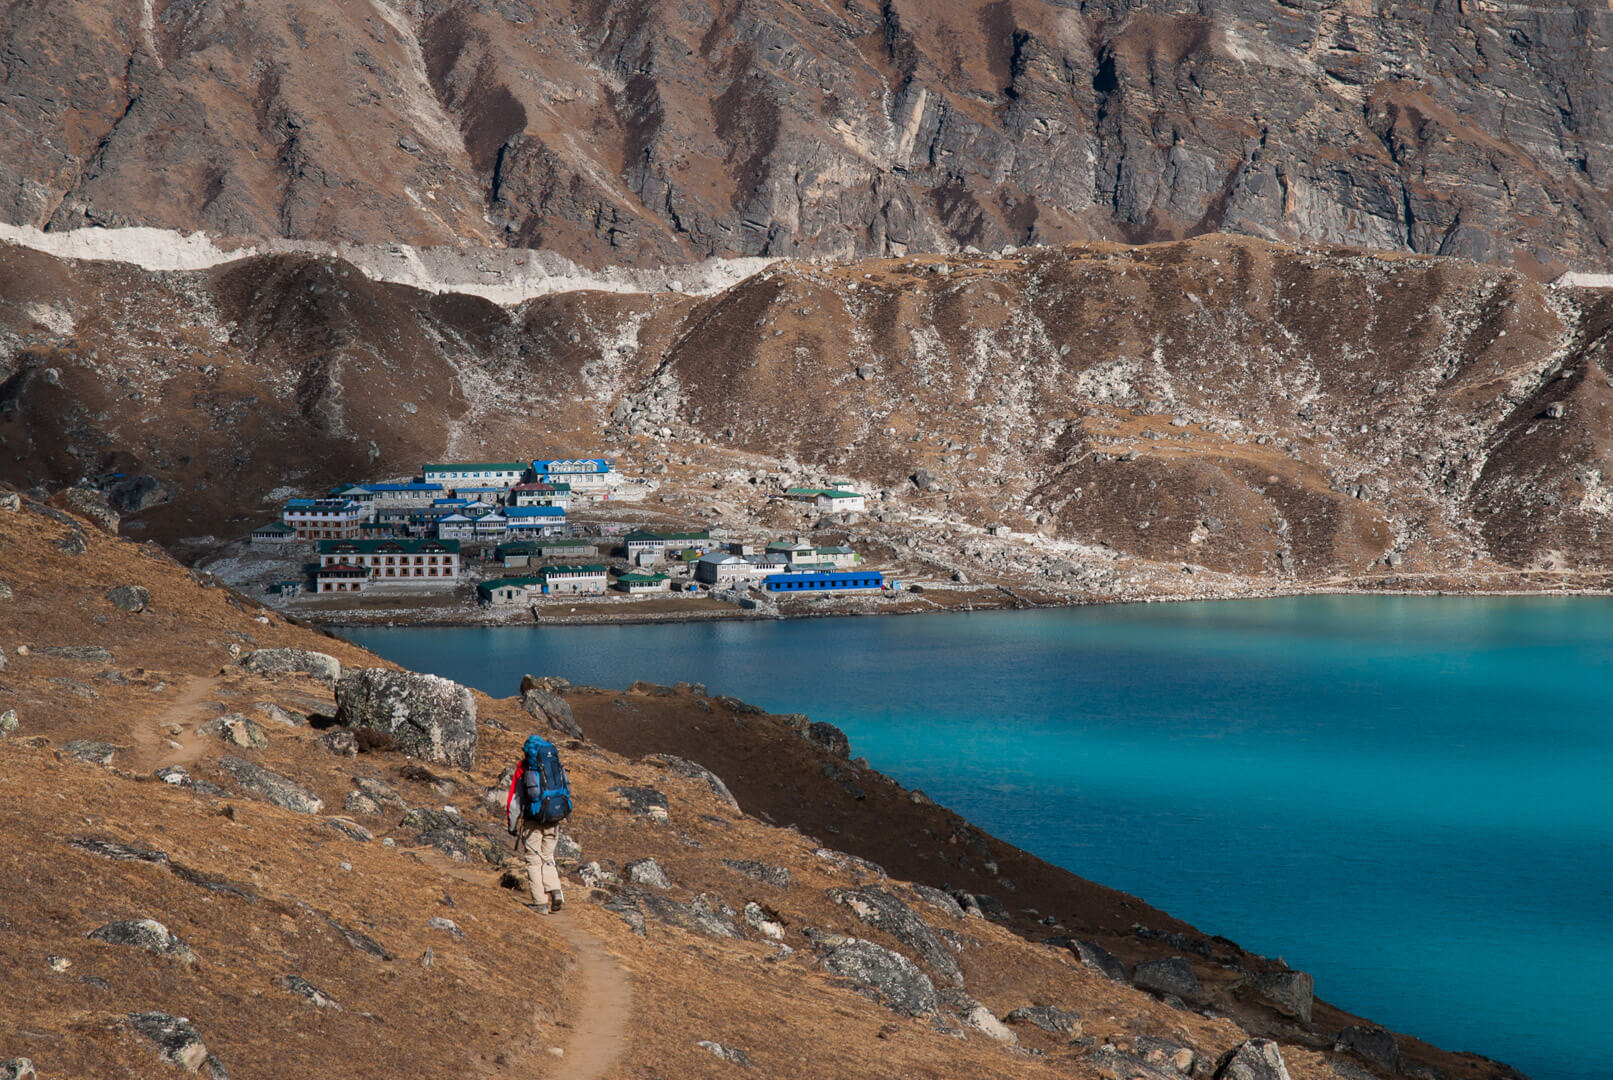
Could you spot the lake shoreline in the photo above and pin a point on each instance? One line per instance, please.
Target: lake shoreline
(982, 604)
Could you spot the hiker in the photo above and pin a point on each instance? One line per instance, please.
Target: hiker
(539, 800)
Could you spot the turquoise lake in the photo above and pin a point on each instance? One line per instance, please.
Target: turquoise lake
(1410, 798)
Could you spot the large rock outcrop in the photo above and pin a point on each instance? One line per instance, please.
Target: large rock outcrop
(1482, 130)
(426, 716)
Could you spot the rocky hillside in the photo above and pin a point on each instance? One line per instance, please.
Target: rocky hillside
(1241, 411)
(621, 132)
(219, 858)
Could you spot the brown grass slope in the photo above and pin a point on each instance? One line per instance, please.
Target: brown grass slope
(260, 893)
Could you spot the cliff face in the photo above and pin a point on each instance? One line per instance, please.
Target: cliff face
(1289, 416)
(618, 132)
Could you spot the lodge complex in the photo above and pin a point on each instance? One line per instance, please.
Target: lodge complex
(428, 531)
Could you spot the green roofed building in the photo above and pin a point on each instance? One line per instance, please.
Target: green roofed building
(643, 583)
(401, 561)
(581, 578)
(642, 543)
(504, 474)
(510, 590)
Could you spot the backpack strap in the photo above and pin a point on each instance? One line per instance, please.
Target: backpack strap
(515, 782)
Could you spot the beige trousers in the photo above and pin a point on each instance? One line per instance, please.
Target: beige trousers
(543, 876)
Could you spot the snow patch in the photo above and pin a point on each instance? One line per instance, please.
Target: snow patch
(505, 276)
(1577, 280)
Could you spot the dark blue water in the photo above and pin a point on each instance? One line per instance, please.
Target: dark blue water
(1411, 798)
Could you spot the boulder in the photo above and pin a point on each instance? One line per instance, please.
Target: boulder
(380, 792)
(359, 803)
(327, 669)
(544, 682)
(271, 786)
(339, 741)
(651, 689)
(981, 906)
(83, 654)
(147, 934)
(1112, 1063)
(829, 738)
(895, 980)
(984, 1020)
(361, 941)
(706, 914)
(10, 502)
(18, 1068)
(451, 834)
(552, 709)
(1372, 1043)
(644, 801)
(236, 730)
(426, 716)
(447, 926)
(763, 921)
(859, 866)
(1173, 975)
(179, 777)
(1165, 1053)
(116, 850)
(90, 750)
(1292, 992)
(647, 872)
(177, 1040)
(351, 829)
(1099, 959)
(214, 884)
(597, 877)
(1048, 1018)
(8, 719)
(776, 876)
(881, 909)
(135, 493)
(93, 505)
(695, 771)
(939, 899)
(629, 912)
(310, 993)
(730, 1054)
(282, 715)
(1257, 1059)
(130, 598)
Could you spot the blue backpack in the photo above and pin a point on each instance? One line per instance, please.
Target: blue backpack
(545, 788)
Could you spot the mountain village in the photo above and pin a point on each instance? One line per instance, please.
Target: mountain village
(518, 534)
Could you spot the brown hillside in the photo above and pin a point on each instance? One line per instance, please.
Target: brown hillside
(312, 946)
(1219, 414)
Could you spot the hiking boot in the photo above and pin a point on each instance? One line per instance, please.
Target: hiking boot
(541, 909)
(556, 901)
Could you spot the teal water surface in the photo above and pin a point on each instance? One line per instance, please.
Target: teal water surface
(1409, 798)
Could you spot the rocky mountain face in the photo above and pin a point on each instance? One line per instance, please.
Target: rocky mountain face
(622, 132)
(1296, 417)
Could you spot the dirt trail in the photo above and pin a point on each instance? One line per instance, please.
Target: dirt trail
(602, 993)
(151, 749)
(605, 1000)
